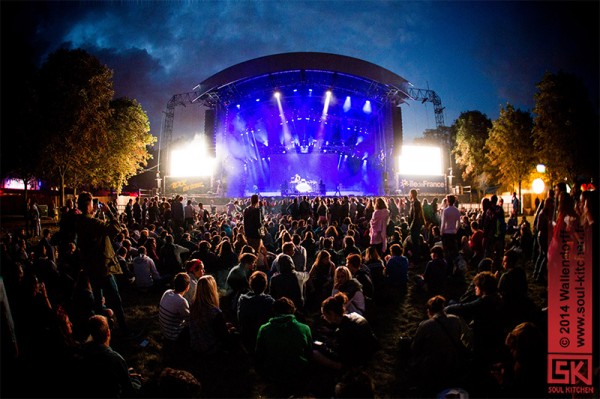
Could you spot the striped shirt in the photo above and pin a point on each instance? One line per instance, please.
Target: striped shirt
(173, 314)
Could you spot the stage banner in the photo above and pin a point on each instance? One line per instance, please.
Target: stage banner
(187, 185)
(424, 184)
(570, 310)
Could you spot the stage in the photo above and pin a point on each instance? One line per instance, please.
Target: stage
(331, 193)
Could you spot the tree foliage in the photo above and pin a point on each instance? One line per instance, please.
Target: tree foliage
(471, 133)
(75, 90)
(129, 138)
(89, 139)
(566, 127)
(509, 147)
(436, 137)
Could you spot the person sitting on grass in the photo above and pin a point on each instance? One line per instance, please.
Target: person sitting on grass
(175, 383)
(396, 269)
(352, 343)
(195, 270)
(436, 272)
(361, 273)
(209, 332)
(439, 348)
(512, 286)
(288, 282)
(486, 318)
(344, 282)
(254, 309)
(237, 280)
(105, 371)
(144, 269)
(376, 270)
(320, 281)
(174, 310)
(284, 349)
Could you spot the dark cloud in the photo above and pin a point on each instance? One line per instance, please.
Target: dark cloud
(476, 55)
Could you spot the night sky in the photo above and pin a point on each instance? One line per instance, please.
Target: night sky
(475, 55)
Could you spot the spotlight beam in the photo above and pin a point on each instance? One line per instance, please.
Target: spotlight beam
(284, 125)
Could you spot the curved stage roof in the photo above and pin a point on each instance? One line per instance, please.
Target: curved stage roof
(353, 75)
(324, 117)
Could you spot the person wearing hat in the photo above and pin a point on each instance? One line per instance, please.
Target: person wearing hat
(195, 270)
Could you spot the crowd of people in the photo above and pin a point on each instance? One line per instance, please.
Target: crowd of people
(292, 284)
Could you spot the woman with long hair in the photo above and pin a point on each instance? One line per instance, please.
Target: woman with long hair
(566, 214)
(376, 267)
(227, 259)
(344, 282)
(320, 280)
(378, 226)
(209, 333)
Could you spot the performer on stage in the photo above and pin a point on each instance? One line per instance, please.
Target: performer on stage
(338, 189)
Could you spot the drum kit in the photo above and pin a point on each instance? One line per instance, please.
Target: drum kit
(304, 186)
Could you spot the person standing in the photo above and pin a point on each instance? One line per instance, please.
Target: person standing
(448, 229)
(189, 214)
(378, 226)
(516, 204)
(253, 223)
(129, 211)
(137, 211)
(544, 234)
(94, 238)
(144, 212)
(178, 212)
(34, 214)
(417, 221)
(305, 210)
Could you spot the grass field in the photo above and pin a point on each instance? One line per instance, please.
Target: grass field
(394, 322)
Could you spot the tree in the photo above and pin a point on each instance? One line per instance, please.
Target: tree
(436, 137)
(127, 153)
(472, 130)
(75, 94)
(509, 147)
(566, 127)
